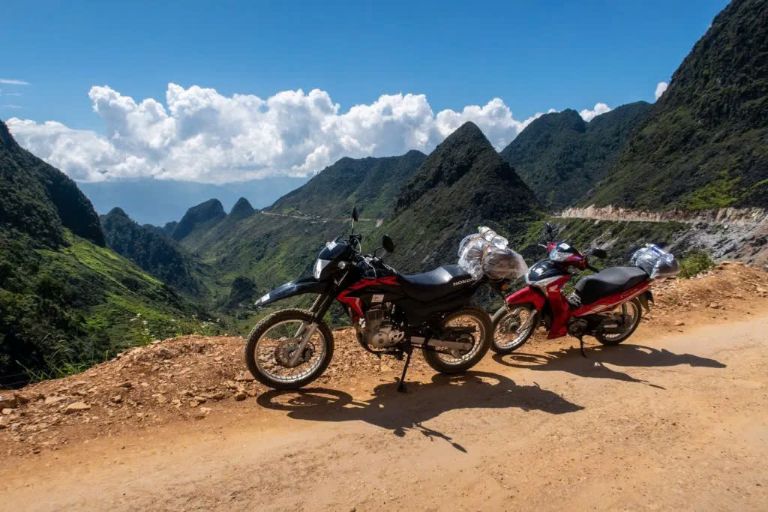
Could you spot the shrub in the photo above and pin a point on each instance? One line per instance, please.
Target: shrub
(694, 263)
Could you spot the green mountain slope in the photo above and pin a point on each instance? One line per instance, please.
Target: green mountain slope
(704, 143)
(372, 184)
(65, 300)
(40, 201)
(561, 157)
(155, 253)
(462, 184)
(201, 218)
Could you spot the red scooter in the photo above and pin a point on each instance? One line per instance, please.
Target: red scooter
(606, 305)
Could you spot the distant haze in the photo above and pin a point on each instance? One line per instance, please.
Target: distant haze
(150, 201)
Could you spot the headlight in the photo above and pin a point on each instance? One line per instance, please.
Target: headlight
(319, 266)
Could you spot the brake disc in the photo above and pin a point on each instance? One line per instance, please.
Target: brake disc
(287, 348)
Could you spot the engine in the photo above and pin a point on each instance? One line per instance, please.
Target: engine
(378, 329)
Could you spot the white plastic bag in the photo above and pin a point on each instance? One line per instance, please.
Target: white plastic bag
(655, 261)
(486, 253)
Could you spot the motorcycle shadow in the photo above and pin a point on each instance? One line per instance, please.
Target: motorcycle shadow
(400, 412)
(570, 360)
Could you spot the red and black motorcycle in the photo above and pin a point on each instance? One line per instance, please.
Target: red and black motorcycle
(607, 305)
(391, 313)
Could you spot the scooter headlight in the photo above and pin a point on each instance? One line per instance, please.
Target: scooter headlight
(319, 266)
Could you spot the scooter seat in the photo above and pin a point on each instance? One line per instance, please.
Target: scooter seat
(435, 283)
(609, 282)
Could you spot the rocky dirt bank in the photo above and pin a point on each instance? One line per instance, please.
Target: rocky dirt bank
(733, 233)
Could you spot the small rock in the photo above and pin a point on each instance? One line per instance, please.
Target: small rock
(145, 384)
(7, 411)
(176, 402)
(187, 392)
(52, 400)
(215, 396)
(126, 385)
(116, 399)
(161, 399)
(76, 407)
(714, 305)
(244, 377)
(202, 413)
(8, 402)
(679, 323)
(240, 396)
(760, 289)
(21, 399)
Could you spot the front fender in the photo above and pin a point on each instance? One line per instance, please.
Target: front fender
(527, 295)
(293, 288)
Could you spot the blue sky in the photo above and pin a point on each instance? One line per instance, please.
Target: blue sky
(534, 56)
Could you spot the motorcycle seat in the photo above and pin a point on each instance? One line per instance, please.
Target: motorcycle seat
(609, 282)
(435, 283)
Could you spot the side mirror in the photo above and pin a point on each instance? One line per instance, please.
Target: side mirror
(388, 244)
(355, 216)
(599, 253)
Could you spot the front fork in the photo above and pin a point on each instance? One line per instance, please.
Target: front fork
(319, 308)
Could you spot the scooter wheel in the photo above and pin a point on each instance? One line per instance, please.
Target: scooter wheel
(513, 327)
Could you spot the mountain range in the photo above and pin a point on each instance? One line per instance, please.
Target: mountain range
(171, 198)
(75, 288)
(561, 156)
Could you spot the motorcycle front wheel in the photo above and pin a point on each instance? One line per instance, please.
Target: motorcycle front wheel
(512, 327)
(271, 353)
(455, 361)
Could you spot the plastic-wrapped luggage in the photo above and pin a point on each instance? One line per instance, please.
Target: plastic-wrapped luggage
(655, 261)
(486, 253)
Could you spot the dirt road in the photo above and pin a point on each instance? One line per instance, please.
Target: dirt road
(672, 422)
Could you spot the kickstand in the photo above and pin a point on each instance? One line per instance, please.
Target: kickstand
(401, 385)
(581, 346)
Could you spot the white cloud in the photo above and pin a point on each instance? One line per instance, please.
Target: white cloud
(201, 135)
(600, 108)
(13, 82)
(660, 88)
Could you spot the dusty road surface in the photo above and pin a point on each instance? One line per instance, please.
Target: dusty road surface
(676, 418)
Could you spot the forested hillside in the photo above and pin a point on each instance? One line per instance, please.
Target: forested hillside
(561, 157)
(371, 184)
(704, 143)
(66, 301)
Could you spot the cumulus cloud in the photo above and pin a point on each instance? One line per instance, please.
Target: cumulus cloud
(201, 135)
(600, 108)
(660, 88)
(13, 82)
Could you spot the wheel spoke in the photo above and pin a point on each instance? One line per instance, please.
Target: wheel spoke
(276, 351)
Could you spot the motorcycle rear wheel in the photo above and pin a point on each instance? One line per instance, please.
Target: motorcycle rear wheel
(466, 361)
(267, 354)
(637, 313)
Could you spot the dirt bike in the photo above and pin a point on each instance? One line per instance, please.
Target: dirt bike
(391, 313)
(607, 305)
